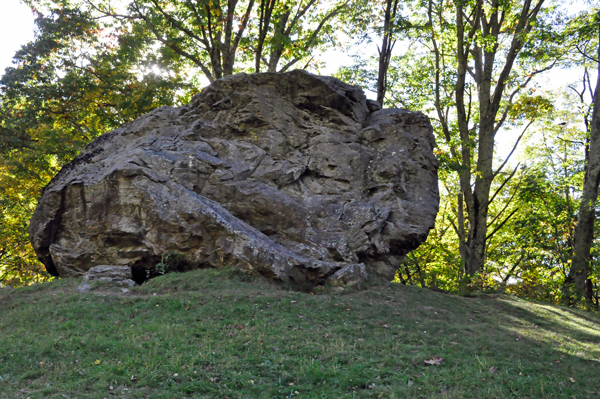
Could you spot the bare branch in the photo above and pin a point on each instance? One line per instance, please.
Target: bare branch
(504, 183)
(517, 263)
(176, 24)
(170, 43)
(489, 236)
(515, 92)
(512, 151)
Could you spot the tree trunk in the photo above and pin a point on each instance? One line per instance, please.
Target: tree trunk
(387, 45)
(490, 93)
(277, 45)
(264, 21)
(576, 286)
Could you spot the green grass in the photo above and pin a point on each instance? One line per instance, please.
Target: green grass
(222, 334)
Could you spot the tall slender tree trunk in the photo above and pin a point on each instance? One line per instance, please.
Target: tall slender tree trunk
(264, 21)
(278, 46)
(577, 285)
(387, 45)
(482, 65)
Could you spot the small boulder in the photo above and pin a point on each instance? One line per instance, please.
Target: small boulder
(119, 276)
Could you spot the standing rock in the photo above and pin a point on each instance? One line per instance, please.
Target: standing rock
(294, 176)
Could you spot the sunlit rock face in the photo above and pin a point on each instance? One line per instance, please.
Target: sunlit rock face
(294, 176)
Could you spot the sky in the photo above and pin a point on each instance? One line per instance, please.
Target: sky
(16, 29)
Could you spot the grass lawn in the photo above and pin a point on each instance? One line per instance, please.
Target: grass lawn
(222, 334)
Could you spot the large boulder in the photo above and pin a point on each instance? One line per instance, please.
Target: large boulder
(295, 176)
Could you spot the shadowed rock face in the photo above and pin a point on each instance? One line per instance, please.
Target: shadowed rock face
(288, 175)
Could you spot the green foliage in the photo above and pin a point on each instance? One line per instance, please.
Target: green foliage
(75, 81)
(535, 213)
(170, 261)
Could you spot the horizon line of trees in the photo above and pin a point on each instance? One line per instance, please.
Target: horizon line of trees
(526, 227)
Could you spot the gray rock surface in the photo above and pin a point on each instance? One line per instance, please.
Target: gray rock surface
(108, 275)
(118, 275)
(293, 176)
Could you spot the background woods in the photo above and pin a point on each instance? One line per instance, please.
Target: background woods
(520, 162)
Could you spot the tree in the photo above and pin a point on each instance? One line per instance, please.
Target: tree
(578, 286)
(490, 51)
(472, 65)
(391, 19)
(214, 34)
(75, 81)
(374, 20)
(291, 36)
(543, 228)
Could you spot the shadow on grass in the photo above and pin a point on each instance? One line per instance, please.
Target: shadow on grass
(566, 330)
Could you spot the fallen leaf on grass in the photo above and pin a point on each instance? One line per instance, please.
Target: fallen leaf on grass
(133, 378)
(434, 361)
(385, 326)
(492, 369)
(326, 335)
(572, 379)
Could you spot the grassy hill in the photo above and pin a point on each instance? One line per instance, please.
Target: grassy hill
(222, 334)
